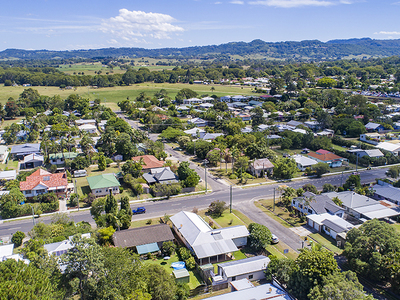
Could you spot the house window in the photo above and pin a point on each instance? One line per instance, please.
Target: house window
(301, 206)
(250, 276)
(233, 278)
(294, 202)
(327, 229)
(310, 211)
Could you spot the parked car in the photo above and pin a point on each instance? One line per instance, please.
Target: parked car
(275, 239)
(139, 210)
(355, 173)
(80, 173)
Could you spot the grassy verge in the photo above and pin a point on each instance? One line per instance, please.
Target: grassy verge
(327, 242)
(282, 212)
(397, 227)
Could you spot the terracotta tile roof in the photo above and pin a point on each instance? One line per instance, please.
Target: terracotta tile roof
(325, 157)
(322, 151)
(44, 178)
(150, 161)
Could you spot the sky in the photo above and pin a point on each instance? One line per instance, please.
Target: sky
(88, 24)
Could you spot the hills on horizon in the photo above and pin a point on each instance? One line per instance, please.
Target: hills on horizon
(290, 50)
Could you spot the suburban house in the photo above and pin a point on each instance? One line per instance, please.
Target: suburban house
(89, 128)
(313, 125)
(352, 202)
(59, 158)
(198, 122)
(206, 105)
(374, 127)
(329, 224)
(294, 123)
(373, 153)
(3, 153)
(143, 239)
(58, 248)
(244, 117)
(390, 147)
(211, 136)
(261, 166)
(196, 132)
(192, 101)
(251, 268)
(372, 138)
(225, 99)
(85, 122)
(42, 182)
(149, 162)
(208, 245)
(101, 185)
(386, 191)
(250, 292)
(32, 161)
(19, 151)
(160, 175)
(310, 203)
(8, 175)
(6, 252)
(303, 162)
(333, 160)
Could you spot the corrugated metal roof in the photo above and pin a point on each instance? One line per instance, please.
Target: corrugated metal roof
(245, 266)
(148, 248)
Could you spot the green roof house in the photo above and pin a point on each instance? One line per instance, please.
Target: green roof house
(59, 158)
(102, 184)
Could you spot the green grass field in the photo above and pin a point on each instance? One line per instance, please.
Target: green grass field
(112, 95)
(327, 242)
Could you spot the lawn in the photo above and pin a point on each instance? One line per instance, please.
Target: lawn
(10, 165)
(280, 212)
(112, 95)
(195, 279)
(326, 241)
(11, 121)
(397, 227)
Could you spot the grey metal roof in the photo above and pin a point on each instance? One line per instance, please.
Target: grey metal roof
(335, 227)
(387, 191)
(214, 248)
(320, 203)
(149, 178)
(332, 207)
(25, 148)
(351, 199)
(244, 266)
(374, 153)
(142, 235)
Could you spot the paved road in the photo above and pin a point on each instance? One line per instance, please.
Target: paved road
(242, 198)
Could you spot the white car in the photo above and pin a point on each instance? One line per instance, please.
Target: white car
(275, 239)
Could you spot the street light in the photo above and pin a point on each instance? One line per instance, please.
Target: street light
(205, 172)
(33, 214)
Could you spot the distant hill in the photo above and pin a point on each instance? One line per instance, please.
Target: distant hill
(311, 50)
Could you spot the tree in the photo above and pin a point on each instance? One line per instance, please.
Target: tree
(187, 176)
(160, 285)
(125, 205)
(308, 187)
(288, 195)
(217, 208)
(393, 171)
(312, 265)
(281, 269)
(369, 248)
(102, 164)
(111, 205)
(260, 236)
(321, 168)
(327, 187)
(285, 168)
(257, 116)
(168, 248)
(326, 82)
(132, 167)
(352, 182)
(339, 286)
(11, 108)
(17, 238)
(21, 281)
(105, 235)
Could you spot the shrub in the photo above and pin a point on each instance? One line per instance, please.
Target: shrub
(190, 263)
(17, 238)
(184, 253)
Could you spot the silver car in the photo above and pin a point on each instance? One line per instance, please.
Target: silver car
(275, 239)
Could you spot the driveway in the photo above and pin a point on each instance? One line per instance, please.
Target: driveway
(284, 234)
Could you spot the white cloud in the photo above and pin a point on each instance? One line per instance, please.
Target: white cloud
(237, 2)
(130, 24)
(388, 32)
(293, 3)
(218, 2)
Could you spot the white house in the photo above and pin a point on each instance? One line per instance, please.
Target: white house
(83, 122)
(89, 128)
(196, 132)
(32, 161)
(251, 268)
(8, 175)
(372, 138)
(208, 245)
(390, 147)
(385, 191)
(303, 162)
(310, 204)
(3, 153)
(192, 101)
(41, 182)
(198, 122)
(329, 224)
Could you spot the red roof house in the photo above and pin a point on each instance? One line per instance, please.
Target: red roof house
(330, 158)
(150, 162)
(41, 182)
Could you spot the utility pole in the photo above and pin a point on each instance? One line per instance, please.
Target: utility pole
(341, 180)
(274, 200)
(357, 163)
(230, 206)
(33, 214)
(205, 172)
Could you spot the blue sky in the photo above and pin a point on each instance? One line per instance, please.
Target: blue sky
(86, 24)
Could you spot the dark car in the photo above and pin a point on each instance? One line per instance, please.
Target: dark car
(139, 210)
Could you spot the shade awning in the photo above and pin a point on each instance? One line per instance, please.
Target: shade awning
(143, 249)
